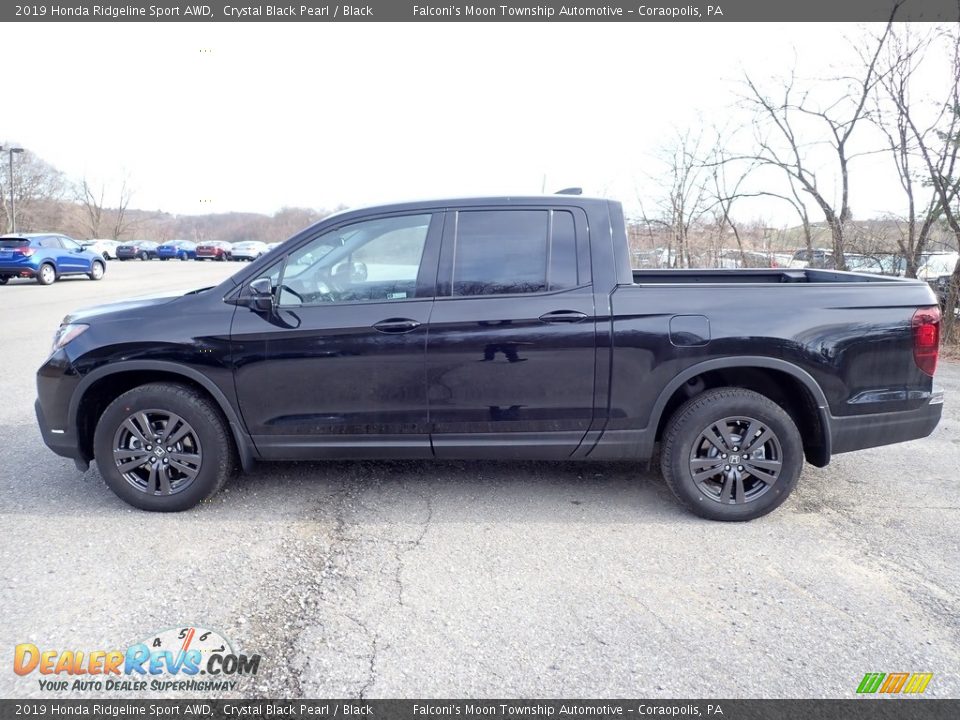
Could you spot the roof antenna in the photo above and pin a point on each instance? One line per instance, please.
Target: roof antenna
(570, 191)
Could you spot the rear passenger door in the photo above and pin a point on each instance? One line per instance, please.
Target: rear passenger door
(53, 249)
(511, 345)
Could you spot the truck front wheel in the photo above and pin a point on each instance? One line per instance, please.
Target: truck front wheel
(731, 454)
(163, 447)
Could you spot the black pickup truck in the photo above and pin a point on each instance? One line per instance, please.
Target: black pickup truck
(493, 328)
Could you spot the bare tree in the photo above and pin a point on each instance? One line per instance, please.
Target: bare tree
(686, 179)
(97, 214)
(940, 152)
(289, 220)
(91, 201)
(724, 192)
(726, 195)
(121, 220)
(38, 188)
(897, 117)
(788, 127)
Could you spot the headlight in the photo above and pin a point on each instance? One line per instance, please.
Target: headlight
(66, 333)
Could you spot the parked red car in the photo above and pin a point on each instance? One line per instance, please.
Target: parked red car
(214, 250)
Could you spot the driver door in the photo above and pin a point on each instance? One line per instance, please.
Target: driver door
(70, 260)
(337, 367)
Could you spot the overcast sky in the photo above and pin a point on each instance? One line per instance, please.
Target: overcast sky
(219, 117)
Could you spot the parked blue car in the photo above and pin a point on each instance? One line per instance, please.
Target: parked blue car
(46, 257)
(177, 250)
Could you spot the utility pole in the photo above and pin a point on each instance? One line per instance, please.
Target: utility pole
(13, 208)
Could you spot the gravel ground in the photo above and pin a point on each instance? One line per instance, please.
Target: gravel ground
(412, 579)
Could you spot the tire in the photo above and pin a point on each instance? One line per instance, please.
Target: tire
(715, 493)
(164, 259)
(208, 440)
(4, 279)
(183, 257)
(221, 257)
(143, 256)
(96, 270)
(46, 274)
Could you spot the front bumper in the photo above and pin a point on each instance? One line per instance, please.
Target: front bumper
(56, 382)
(858, 432)
(63, 441)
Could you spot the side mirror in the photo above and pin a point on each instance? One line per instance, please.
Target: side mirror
(261, 294)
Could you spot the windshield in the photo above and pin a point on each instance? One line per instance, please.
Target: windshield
(863, 263)
(940, 264)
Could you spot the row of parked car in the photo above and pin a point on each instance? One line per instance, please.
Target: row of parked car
(179, 250)
(936, 267)
(932, 265)
(46, 257)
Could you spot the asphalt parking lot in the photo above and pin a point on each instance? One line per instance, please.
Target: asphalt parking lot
(413, 579)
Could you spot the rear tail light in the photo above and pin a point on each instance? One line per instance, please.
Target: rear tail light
(926, 339)
(25, 251)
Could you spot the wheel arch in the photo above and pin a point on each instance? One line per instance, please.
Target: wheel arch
(100, 387)
(783, 382)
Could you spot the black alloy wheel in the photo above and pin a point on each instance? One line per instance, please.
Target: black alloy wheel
(731, 454)
(736, 460)
(164, 447)
(157, 452)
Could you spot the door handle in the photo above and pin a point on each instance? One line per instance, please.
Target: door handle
(396, 326)
(563, 316)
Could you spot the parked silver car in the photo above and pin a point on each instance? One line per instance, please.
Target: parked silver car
(248, 250)
(106, 248)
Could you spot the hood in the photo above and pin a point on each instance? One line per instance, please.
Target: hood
(99, 311)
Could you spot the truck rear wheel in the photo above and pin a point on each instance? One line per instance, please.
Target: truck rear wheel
(163, 447)
(731, 454)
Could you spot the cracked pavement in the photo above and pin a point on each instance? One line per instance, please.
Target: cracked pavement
(419, 579)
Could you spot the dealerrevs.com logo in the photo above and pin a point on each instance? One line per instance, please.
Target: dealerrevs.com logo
(178, 659)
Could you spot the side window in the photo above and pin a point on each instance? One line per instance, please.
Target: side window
(507, 252)
(50, 242)
(69, 244)
(367, 261)
(563, 251)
